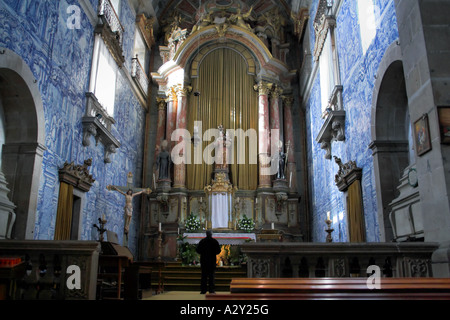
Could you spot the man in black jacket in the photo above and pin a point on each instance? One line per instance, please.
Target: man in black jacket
(208, 248)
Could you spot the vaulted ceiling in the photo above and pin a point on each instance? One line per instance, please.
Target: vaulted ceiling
(163, 10)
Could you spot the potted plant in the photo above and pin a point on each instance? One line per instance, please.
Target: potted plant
(246, 224)
(192, 223)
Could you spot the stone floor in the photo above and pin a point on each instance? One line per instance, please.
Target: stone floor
(180, 295)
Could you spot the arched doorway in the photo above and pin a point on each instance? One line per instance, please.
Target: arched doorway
(391, 132)
(23, 139)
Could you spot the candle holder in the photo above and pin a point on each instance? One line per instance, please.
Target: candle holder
(329, 230)
(160, 240)
(101, 229)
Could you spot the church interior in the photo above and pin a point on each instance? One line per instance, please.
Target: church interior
(310, 136)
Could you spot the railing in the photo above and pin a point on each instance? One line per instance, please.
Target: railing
(108, 14)
(98, 123)
(47, 265)
(138, 74)
(336, 260)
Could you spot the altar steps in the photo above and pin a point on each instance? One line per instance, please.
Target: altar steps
(187, 278)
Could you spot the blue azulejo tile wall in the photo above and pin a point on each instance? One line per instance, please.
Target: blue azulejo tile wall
(60, 59)
(357, 72)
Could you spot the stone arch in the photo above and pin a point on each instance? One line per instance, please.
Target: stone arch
(24, 129)
(391, 125)
(237, 47)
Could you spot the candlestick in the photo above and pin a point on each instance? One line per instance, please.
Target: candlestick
(329, 230)
(160, 227)
(273, 226)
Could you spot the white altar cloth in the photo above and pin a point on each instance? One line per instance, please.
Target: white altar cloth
(220, 205)
(223, 238)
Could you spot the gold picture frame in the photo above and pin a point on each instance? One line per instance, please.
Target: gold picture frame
(422, 138)
(444, 124)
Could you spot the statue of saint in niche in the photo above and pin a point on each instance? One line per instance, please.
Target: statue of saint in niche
(163, 162)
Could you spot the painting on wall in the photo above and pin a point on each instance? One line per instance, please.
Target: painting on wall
(444, 124)
(422, 135)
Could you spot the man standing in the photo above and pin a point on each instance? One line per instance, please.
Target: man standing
(208, 248)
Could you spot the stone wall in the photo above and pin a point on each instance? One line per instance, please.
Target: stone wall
(60, 60)
(357, 72)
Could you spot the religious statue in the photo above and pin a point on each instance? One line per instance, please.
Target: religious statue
(205, 20)
(163, 162)
(129, 195)
(281, 175)
(240, 19)
(275, 20)
(222, 147)
(173, 24)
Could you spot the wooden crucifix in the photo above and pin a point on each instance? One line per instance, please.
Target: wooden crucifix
(129, 191)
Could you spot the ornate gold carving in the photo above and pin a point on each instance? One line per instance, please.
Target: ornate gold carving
(161, 103)
(277, 91)
(240, 19)
(221, 183)
(263, 88)
(288, 101)
(146, 27)
(300, 20)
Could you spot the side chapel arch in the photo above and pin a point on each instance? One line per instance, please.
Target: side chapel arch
(390, 124)
(24, 145)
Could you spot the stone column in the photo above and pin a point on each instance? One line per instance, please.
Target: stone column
(263, 89)
(171, 115)
(275, 106)
(424, 38)
(161, 126)
(160, 133)
(180, 169)
(289, 142)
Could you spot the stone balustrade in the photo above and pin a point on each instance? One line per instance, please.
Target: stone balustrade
(336, 260)
(46, 271)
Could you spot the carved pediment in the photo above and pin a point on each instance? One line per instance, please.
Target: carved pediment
(347, 174)
(77, 175)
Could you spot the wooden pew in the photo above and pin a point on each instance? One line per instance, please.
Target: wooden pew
(330, 288)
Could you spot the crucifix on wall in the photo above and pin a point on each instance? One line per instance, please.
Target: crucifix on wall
(129, 191)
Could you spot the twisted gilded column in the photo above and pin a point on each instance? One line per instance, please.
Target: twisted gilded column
(263, 89)
(180, 169)
(291, 176)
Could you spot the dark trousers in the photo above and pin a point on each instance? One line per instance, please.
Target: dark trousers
(208, 279)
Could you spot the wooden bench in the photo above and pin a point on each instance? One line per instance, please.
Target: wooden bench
(330, 288)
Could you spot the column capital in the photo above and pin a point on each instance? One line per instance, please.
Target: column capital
(171, 94)
(288, 101)
(184, 91)
(161, 102)
(276, 92)
(263, 88)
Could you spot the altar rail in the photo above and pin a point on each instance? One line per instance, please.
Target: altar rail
(338, 260)
(45, 272)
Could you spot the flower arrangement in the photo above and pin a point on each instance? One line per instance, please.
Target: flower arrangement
(246, 224)
(192, 223)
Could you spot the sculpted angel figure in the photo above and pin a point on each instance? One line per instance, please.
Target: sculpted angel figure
(203, 22)
(240, 19)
